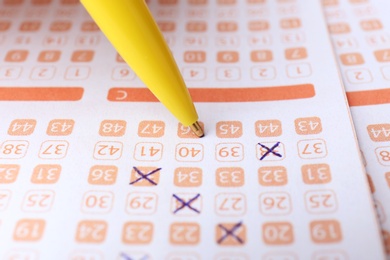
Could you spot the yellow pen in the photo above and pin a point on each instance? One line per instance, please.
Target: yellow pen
(131, 29)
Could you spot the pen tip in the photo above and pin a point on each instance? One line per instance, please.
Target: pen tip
(197, 129)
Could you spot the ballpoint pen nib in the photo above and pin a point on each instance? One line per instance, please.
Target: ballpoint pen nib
(197, 129)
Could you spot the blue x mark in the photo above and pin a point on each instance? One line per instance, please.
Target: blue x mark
(145, 176)
(270, 150)
(186, 203)
(230, 232)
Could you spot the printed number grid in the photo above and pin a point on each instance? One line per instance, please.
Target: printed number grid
(361, 43)
(88, 170)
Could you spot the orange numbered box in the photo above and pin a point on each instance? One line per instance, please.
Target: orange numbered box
(352, 59)
(226, 2)
(86, 41)
(261, 56)
(194, 73)
(308, 125)
(112, 128)
(228, 56)
(41, 2)
(10, 72)
(137, 232)
(339, 28)
(196, 26)
(230, 26)
(197, 2)
(166, 26)
(49, 56)
(53, 149)
(228, 73)
(230, 204)
(186, 132)
(20, 127)
(16, 55)
(325, 231)
(5, 197)
(54, 40)
(97, 202)
(122, 73)
(195, 41)
(330, 2)
(229, 129)
(60, 127)
(259, 41)
(108, 150)
(141, 203)
(312, 149)
(82, 56)
(186, 204)
(91, 231)
(263, 72)
(268, 128)
(38, 201)
(358, 76)
(278, 233)
(188, 177)
(293, 38)
(316, 173)
(349, 42)
(149, 128)
(275, 203)
(46, 174)
(299, 70)
(295, 53)
(229, 152)
(30, 26)
(230, 234)
(230, 177)
(382, 55)
(194, 56)
(13, 149)
(9, 173)
(371, 25)
(89, 26)
(383, 155)
(379, 132)
(60, 26)
(189, 152)
(145, 176)
(147, 151)
(321, 201)
(29, 230)
(77, 72)
(270, 151)
(258, 25)
(184, 233)
(290, 23)
(43, 73)
(272, 176)
(4, 26)
(227, 41)
(102, 175)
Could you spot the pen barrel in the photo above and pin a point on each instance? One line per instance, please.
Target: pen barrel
(131, 29)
